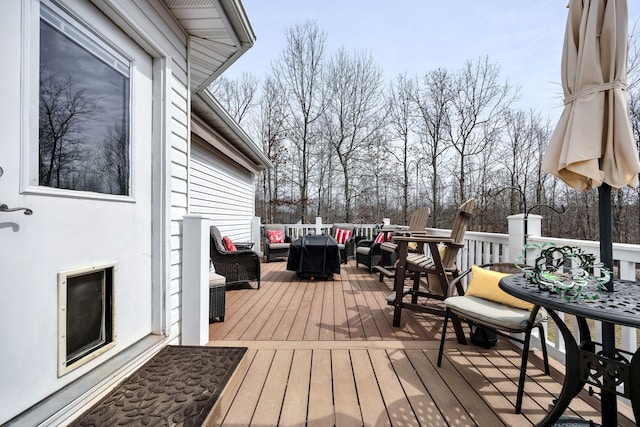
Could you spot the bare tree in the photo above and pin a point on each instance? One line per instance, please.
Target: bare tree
(401, 119)
(479, 101)
(115, 161)
(272, 125)
(433, 100)
(298, 72)
(522, 132)
(238, 97)
(351, 117)
(63, 107)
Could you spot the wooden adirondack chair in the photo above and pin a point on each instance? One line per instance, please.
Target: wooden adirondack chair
(438, 268)
(417, 223)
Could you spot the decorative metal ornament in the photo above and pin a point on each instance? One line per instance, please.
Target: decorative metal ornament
(565, 270)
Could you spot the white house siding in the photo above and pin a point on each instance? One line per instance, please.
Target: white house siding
(179, 177)
(221, 190)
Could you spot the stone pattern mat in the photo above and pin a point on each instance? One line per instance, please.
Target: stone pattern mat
(177, 387)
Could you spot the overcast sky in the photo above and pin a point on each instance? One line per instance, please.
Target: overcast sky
(415, 36)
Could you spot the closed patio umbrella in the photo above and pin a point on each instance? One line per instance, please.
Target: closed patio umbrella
(593, 142)
(593, 145)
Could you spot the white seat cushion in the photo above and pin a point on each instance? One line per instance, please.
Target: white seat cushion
(363, 250)
(216, 279)
(279, 245)
(491, 313)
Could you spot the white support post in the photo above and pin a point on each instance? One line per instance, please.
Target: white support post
(256, 235)
(517, 232)
(516, 236)
(318, 225)
(195, 280)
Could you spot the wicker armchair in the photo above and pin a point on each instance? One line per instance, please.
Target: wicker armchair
(346, 248)
(274, 251)
(369, 252)
(237, 267)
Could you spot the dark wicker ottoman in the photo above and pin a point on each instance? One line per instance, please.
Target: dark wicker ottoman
(216, 300)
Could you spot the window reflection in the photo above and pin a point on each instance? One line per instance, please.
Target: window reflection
(84, 114)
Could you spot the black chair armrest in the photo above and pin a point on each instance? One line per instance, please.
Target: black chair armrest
(359, 239)
(454, 283)
(246, 254)
(366, 243)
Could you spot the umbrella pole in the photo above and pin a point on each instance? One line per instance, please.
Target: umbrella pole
(606, 230)
(609, 399)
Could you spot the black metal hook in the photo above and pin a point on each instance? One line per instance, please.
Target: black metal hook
(510, 187)
(490, 193)
(558, 211)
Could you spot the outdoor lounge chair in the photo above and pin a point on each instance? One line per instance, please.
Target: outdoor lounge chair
(239, 266)
(346, 246)
(275, 250)
(485, 304)
(437, 268)
(369, 252)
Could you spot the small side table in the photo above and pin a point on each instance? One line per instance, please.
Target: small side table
(217, 290)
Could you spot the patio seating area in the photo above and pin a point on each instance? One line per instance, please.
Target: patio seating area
(326, 353)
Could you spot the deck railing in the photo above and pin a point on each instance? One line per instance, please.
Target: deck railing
(481, 248)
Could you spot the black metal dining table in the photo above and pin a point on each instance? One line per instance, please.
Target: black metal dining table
(587, 362)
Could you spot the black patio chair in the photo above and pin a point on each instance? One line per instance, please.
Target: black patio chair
(239, 266)
(275, 250)
(346, 247)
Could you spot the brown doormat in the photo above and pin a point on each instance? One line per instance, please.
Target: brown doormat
(177, 387)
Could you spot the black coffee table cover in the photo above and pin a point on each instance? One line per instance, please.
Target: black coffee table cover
(314, 256)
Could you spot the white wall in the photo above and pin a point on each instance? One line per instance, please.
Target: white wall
(148, 23)
(223, 191)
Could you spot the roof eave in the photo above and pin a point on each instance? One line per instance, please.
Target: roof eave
(209, 109)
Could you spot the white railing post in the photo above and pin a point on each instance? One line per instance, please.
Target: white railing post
(256, 234)
(318, 225)
(195, 280)
(386, 221)
(516, 236)
(517, 232)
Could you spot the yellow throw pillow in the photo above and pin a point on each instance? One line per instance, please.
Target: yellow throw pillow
(484, 284)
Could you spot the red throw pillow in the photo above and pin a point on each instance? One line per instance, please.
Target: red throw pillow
(275, 236)
(343, 235)
(389, 236)
(379, 238)
(228, 244)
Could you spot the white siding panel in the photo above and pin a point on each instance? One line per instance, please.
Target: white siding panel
(179, 186)
(179, 125)
(178, 170)
(222, 191)
(178, 137)
(180, 158)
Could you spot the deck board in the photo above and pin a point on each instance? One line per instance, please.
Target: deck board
(347, 406)
(325, 353)
(320, 412)
(374, 413)
(397, 406)
(270, 402)
(296, 399)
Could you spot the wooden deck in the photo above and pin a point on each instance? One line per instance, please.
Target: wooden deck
(324, 353)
